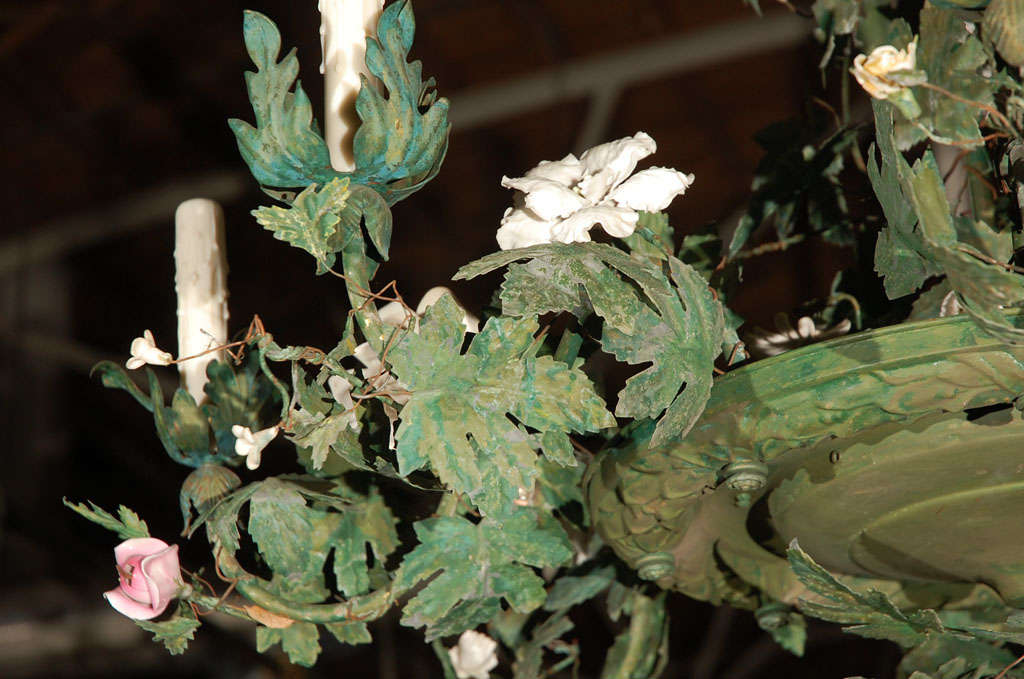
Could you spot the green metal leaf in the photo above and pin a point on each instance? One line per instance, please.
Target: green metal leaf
(404, 133)
(311, 222)
(457, 418)
(570, 590)
(350, 633)
(983, 284)
(368, 525)
(545, 639)
(300, 640)
(113, 376)
(673, 320)
(293, 539)
(175, 633)
(641, 651)
(868, 614)
(953, 59)
(1004, 23)
(126, 524)
(464, 616)
(284, 149)
(465, 561)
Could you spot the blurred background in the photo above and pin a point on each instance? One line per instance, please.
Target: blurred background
(114, 111)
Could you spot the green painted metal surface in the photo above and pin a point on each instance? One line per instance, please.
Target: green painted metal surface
(878, 460)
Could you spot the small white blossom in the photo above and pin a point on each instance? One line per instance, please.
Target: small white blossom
(396, 315)
(475, 656)
(766, 343)
(251, 445)
(560, 201)
(341, 390)
(872, 70)
(144, 350)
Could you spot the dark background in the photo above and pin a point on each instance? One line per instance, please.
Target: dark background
(114, 111)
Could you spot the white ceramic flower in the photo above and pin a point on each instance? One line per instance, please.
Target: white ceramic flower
(396, 315)
(872, 70)
(341, 390)
(560, 201)
(144, 351)
(474, 656)
(250, 444)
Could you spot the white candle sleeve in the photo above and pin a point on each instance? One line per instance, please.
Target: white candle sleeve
(201, 283)
(343, 30)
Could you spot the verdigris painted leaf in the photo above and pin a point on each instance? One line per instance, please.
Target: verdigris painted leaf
(545, 637)
(675, 320)
(465, 615)
(113, 376)
(293, 539)
(868, 614)
(982, 283)
(456, 421)
(465, 561)
(284, 149)
(300, 640)
(350, 633)
(175, 633)
(404, 133)
(126, 524)
(952, 58)
(899, 257)
(641, 651)
(688, 336)
(940, 656)
(572, 590)
(311, 222)
(369, 524)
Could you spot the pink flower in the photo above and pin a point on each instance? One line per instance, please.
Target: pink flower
(150, 577)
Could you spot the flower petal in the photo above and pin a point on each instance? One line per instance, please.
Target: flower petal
(430, 297)
(616, 221)
(651, 190)
(566, 171)
(162, 574)
(393, 314)
(609, 164)
(137, 547)
(129, 607)
(521, 228)
(548, 199)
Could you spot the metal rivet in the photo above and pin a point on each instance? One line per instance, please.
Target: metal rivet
(745, 475)
(833, 457)
(656, 566)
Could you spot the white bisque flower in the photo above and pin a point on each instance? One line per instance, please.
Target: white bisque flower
(341, 390)
(767, 343)
(251, 445)
(560, 201)
(396, 315)
(144, 351)
(872, 70)
(474, 656)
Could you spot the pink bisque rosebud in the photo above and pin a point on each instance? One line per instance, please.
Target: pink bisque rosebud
(150, 577)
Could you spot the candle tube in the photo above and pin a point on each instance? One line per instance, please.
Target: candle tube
(201, 283)
(343, 29)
